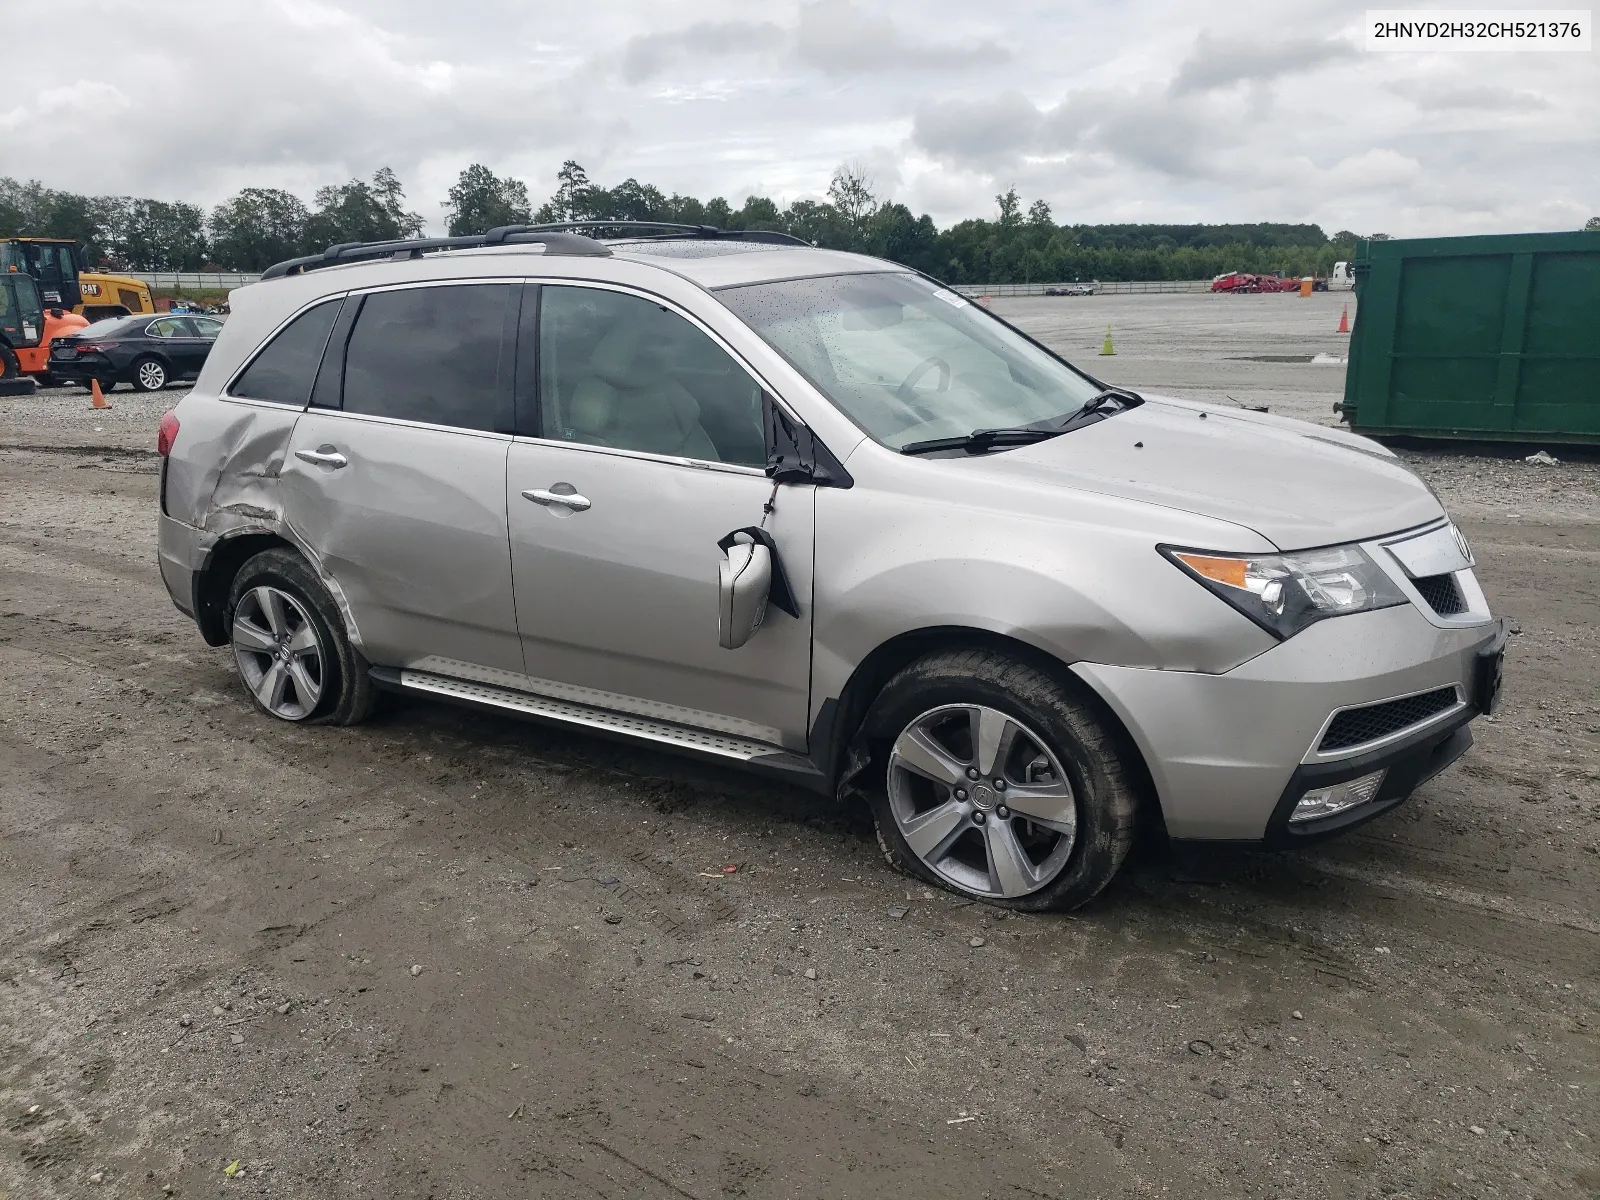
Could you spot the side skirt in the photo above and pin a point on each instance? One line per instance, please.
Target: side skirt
(757, 756)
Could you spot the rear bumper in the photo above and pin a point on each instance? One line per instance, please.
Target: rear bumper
(1231, 754)
(181, 551)
(82, 370)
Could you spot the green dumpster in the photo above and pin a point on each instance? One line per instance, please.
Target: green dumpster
(1491, 338)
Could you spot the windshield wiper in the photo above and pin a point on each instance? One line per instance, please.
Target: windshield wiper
(980, 440)
(1097, 408)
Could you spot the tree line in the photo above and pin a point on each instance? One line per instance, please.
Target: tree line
(260, 226)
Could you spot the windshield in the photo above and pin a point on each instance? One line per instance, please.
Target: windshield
(907, 360)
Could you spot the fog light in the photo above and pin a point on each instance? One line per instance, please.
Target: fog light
(1325, 801)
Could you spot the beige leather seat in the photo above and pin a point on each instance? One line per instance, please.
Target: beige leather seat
(624, 403)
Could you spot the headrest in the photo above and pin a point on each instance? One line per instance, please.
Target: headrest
(614, 357)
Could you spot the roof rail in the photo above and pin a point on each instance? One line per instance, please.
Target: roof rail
(675, 229)
(554, 242)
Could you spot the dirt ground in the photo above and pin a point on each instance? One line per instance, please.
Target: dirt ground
(449, 955)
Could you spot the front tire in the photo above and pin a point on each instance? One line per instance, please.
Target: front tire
(150, 374)
(290, 646)
(990, 778)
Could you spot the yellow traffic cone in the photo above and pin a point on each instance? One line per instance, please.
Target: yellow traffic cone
(1107, 348)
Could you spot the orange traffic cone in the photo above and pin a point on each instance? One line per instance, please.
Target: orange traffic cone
(99, 400)
(1344, 320)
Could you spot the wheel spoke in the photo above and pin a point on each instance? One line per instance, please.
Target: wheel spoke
(918, 752)
(303, 640)
(274, 682)
(272, 609)
(306, 689)
(247, 635)
(992, 735)
(1010, 872)
(929, 834)
(1047, 803)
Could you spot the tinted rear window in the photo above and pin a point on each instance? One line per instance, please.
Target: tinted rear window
(110, 327)
(430, 354)
(284, 370)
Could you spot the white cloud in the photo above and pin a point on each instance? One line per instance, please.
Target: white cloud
(1147, 110)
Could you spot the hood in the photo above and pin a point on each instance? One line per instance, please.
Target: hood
(1295, 483)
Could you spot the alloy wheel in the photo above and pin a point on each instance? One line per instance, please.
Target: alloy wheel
(982, 801)
(152, 376)
(279, 654)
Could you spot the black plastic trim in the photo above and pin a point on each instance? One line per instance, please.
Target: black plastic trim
(796, 455)
(1410, 765)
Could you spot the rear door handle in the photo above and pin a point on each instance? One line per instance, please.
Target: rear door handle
(570, 500)
(323, 456)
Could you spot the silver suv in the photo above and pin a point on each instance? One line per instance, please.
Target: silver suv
(816, 514)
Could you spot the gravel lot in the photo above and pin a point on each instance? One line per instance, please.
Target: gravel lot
(449, 955)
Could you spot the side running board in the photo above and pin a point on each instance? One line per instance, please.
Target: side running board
(759, 755)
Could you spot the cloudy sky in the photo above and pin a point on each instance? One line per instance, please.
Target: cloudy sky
(1112, 110)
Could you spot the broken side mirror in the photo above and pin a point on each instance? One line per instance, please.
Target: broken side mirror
(750, 577)
(794, 455)
(744, 584)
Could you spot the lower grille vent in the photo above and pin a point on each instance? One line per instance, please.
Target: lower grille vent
(1356, 726)
(1442, 594)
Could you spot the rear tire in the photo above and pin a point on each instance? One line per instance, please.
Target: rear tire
(150, 374)
(1055, 785)
(299, 664)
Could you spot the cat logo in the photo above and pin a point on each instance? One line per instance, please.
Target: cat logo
(89, 289)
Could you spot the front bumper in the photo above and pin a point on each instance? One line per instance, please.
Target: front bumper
(1231, 754)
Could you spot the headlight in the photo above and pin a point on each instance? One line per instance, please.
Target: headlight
(1283, 593)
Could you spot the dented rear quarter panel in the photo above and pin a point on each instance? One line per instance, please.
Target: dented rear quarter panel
(222, 475)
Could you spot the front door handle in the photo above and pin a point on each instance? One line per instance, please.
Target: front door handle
(323, 456)
(570, 500)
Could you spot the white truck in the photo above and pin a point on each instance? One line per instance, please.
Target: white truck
(1342, 279)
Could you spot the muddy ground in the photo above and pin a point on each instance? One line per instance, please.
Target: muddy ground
(449, 955)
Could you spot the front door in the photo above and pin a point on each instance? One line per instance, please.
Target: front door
(395, 476)
(648, 451)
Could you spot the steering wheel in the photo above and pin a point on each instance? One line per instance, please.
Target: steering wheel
(907, 389)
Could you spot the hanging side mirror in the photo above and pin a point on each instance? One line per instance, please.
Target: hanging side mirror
(744, 583)
(750, 576)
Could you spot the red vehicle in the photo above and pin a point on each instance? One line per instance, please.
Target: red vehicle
(1241, 281)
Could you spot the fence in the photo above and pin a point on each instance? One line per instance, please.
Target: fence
(975, 290)
(193, 281)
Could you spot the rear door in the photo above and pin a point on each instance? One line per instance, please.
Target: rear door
(171, 338)
(644, 449)
(395, 477)
(190, 346)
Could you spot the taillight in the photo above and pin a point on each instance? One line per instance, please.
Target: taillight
(166, 433)
(89, 347)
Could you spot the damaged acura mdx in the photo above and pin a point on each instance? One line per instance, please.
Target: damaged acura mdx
(818, 515)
